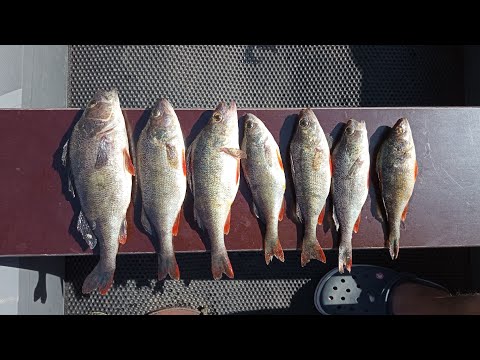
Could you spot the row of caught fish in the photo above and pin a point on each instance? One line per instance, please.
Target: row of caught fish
(101, 169)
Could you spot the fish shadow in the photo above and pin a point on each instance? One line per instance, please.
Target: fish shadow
(286, 134)
(245, 189)
(63, 173)
(328, 224)
(188, 203)
(376, 204)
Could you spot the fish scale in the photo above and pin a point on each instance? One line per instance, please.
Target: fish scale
(351, 164)
(397, 171)
(213, 171)
(101, 171)
(162, 179)
(311, 171)
(263, 170)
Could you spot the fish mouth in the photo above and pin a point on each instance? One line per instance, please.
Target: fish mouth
(163, 113)
(402, 126)
(306, 113)
(107, 96)
(228, 112)
(101, 107)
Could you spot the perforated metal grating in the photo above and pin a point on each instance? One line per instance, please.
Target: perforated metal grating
(255, 76)
(269, 76)
(279, 288)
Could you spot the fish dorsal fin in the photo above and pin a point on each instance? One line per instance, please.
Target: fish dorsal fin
(335, 219)
(298, 212)
(122, 238)
(255, 210)
(146, 223)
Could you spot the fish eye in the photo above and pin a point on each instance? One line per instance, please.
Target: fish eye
(92, 104)
(303, 122)
(156, 113)
(250, 125)
(400, 130)
(350, 130)
(217, 117)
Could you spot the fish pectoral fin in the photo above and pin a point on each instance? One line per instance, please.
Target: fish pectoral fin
(146, 223)
(226, 228)
(269, 154)
(84, 228)
(236, 153)
(176, 225)
(321, 216)
(415, 171)
(335, 219)
(172, 155)
(128, 162)
(122, 238)
(357, 224)
(282, 210)
(105, 148)
(65, 153)
(404, 214)
(355, 168)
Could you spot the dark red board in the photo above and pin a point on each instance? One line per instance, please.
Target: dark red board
(36, 216)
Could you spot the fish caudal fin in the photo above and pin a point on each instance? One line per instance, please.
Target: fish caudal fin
(273, 246)
(221, 265)
(312, 250)
(344, 258)
(167, 264)
(100, 279)
(394, 243)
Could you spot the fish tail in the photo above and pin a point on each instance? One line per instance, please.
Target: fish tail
(311, 249)
(221, 264)
(345, 255)
(167, 264)
(100, 278)
(272, 245)
(394, 241)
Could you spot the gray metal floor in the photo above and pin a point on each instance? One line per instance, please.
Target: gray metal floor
(272, 76)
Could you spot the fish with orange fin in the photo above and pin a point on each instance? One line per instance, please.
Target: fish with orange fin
(100, 174)
(397, 171)
(350, 182)
(263, 170)
(213, 174)
(311, 170)
(161, 171)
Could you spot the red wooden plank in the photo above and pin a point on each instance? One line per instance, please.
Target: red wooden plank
(36, 217)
